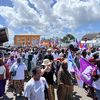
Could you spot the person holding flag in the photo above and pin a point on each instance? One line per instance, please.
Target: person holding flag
(72, 67)
(86, 69)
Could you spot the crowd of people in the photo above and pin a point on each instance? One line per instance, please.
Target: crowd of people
(46, 69)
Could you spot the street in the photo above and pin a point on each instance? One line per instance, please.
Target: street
(78, 94)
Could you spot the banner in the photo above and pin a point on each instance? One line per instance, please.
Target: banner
(86, 70)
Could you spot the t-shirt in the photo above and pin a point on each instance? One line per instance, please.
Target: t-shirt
(26, 55)
(55, 55)
(49, 76)
(3, 71)
(20, 71)
(34, 90)
(34, 59)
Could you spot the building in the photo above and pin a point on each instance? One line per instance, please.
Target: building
(45, 43)
(90, 36)
(26, 40)
(93, 39)
(97, 40)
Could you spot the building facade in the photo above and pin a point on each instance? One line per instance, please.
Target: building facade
(92, 39)
(26, 40)
(97, 41)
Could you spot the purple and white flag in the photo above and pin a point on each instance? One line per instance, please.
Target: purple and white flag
(86, 70)
(85, 46)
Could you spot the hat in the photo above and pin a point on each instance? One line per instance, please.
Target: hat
(46, 62)
(49, 49)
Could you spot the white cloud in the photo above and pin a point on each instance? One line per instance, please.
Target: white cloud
(1, 26)
(76, 12)
(10, 32)
(43, 19)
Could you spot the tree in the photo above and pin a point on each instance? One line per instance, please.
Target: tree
(68, 38)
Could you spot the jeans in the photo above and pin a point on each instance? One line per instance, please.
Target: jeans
(98, 94)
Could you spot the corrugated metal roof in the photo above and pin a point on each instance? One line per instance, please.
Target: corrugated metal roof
(90, 36)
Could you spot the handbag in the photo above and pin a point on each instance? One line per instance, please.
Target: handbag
(14, 71)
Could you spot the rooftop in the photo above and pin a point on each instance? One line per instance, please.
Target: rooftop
(90, 36)
(26, 34)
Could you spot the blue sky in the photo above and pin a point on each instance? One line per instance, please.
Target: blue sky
(5, 3)
(50, 18)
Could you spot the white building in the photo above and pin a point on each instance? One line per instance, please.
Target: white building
(97, 41)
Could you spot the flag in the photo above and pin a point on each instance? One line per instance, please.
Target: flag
(73, 68)
(85, 70)
(77, 43)
(70, 62)
(80, 82)
(51, 42)
(85, 46)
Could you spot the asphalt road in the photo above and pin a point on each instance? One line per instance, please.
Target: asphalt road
(78, 94)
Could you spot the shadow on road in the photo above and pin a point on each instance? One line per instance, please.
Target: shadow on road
(19, 98)
(16, 98)
(75, 96)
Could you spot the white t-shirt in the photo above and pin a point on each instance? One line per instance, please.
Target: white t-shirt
(34, 90)
(55, 55)
(26, 55)
(34, 59)
(3, 71)
(61, 54)
(20, 73)
(96, 84)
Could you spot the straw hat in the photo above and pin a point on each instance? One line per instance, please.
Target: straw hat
(49, 49)
(46, 62)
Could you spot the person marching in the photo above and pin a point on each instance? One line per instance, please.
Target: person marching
(18, 68)
(2, 78)
(65, 86)
(35, 87)
(48, 73)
